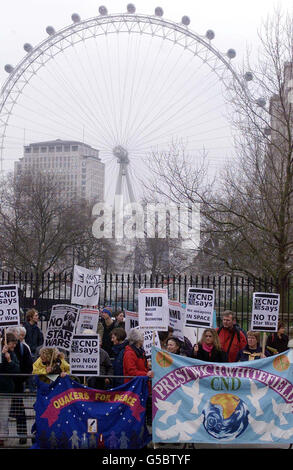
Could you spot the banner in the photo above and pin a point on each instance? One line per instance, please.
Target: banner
(72, 416)
(153, 311)
(88, 319)
(61, 326)
(85, 355)
(177, 319)
(85, 286)
(247, 402)
(199, 307)
(131, 320)
(9, 305)
(265, 311)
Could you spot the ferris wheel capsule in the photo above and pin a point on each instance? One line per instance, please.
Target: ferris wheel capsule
(8, 68)
(185, 20)
(50, 30)
(75, 17)
(231, 53)
(159, 11)
(261, 102)
(210, 34)
(28, 47)
(248, 76)
(131, 8)
(103, 10)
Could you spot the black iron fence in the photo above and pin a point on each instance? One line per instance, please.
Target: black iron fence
(121, 290)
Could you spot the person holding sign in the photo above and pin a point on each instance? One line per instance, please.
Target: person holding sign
(51, 361)
(134, 360)
(209, 348)
(232, 339)
(278, 342)
(253, 349)
(118, 338)
(9, 365)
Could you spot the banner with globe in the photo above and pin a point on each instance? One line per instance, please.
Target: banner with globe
(204, 402)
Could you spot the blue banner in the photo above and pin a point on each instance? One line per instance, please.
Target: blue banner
(72, 416)
(204, 402)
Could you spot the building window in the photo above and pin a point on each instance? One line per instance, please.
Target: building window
(35, 149)
(74, 148)
(51, 149)
(27, 150)
(66, 148)
(58, 148)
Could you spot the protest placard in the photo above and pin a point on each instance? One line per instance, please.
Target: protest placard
(199, 307)
(85, 286)
(176, 319)
(265, 311)
(88, 319)
(131, 320)
(61, 326)
(153, 310)
(9, 305)
(151, 338)
(85, 355)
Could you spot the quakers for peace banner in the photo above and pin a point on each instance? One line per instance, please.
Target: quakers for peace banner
(72, 416)
(243, 402)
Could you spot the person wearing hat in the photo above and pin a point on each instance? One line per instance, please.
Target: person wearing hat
(108, 325)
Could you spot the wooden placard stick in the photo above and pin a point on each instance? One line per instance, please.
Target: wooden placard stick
(264, 340)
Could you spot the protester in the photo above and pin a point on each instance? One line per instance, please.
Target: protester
(106, 368)
(118, 338)
(9, 365)
(119, 319)
(278, 342)
(50, 362)
(253, 349)
(209, 348)
(34, 336)
(24, 357)
(108, 325)
(164, 336)
(232, 339)
(173, 346)
(134, 361)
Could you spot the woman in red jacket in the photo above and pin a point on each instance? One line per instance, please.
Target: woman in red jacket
(134, 360)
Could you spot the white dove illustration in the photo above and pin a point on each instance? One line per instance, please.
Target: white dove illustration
(280, 408)
(256, 394)
(184, 428)
(169, 408)
(268, 430)
(193, 392)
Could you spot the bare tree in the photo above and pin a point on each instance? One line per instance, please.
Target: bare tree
(248, 213)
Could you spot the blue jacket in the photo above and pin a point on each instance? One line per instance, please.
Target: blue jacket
(118, 354)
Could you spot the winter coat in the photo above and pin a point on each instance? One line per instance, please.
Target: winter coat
(280, 344)
(34, 337)
(214, 356)
(232, 342)
(7, 384)
(248, 354)
(106, 368)
(39, 368)
(25, 360)
(118, 354)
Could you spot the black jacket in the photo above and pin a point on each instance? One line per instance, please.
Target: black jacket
(216, 355)
(34, 337)
(25, 365)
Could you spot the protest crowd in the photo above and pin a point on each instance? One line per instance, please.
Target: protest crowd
(121, 356)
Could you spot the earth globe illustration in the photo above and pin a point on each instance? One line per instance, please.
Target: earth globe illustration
(225, 416)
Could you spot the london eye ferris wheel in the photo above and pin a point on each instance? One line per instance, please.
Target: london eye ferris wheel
(128, 84)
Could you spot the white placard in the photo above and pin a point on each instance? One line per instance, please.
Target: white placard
(88, 319)
(177, 319)
(131, 320)
(85, 355)
(199, 307)
(85, 286)
(9, 305)
(153, 310)
(149, 342)
(61, 326)
(265, 311)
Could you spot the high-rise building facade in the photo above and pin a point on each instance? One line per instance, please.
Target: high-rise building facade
(77, 165)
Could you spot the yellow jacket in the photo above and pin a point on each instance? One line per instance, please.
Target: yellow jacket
(40, 369)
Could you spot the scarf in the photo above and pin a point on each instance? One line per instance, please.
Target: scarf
(208, 348)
